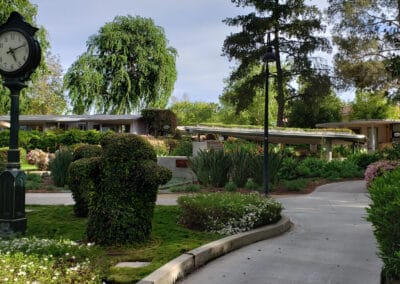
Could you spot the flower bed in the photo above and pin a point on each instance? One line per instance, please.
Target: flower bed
(228, 213)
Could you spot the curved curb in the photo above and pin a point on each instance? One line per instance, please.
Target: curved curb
(186, 263)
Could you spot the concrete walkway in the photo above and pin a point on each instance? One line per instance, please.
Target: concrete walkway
(329, 243)
(66, 199)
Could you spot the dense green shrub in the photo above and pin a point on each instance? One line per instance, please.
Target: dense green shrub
(50, 141)
(227, 213)
(183, 148)
(384, 214)
(310, 167)
(211, 167)
(33, 181)
(336, 169)
(251, 184)
(362, 160)
(87, 151)
(295, 185)
(287, 170)
(230, 186)
(93, 137)
(59, 166)
(72, 136)
(121, 207)
(186, 188)
(83, 178)
(5, 138)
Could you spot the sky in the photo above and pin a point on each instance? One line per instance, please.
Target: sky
(193, 27)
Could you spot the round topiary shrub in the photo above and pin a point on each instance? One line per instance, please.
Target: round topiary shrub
(121, 206)
(83, 177)
(87, 151)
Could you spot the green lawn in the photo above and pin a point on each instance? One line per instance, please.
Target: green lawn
(168, 239)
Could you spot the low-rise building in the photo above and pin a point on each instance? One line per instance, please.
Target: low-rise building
(380, 133)
(118, 123)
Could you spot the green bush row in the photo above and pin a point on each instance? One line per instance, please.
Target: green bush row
(384, 214)
(236, 167)
(317, 168)
(51, 140)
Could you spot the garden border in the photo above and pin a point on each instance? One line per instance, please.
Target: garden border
(186, 263)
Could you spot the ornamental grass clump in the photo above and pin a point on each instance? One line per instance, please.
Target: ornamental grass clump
(228, 213)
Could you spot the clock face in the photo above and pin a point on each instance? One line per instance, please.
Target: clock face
(14, 51)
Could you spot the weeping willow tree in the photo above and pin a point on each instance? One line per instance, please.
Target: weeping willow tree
(128, 66)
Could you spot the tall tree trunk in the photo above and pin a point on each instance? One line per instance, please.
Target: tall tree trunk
(398, 11)
(280, 97)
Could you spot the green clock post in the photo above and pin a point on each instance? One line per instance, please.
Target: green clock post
(19, 57)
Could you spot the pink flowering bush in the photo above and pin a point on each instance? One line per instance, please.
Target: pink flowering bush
(379, 168)
(39, 158)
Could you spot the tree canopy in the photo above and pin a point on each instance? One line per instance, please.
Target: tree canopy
(128, 66)
(29, 12)
(366, 34)
(193, 113)
(293, 25)
(370, 105)
(46, 96)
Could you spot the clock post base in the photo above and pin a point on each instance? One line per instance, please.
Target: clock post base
(12, 202)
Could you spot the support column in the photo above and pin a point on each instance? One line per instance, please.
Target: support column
(328, 145)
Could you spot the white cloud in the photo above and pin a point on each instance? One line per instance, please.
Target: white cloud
(194, 28)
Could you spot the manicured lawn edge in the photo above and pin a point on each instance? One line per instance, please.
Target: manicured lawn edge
(192, 260)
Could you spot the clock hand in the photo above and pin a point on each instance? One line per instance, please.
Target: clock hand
(11, 51)
(14, 49)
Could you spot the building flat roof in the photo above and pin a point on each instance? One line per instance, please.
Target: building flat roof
(280, 136)
(358, 123)
(72, 118)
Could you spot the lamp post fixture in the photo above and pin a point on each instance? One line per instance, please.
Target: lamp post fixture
(269, 56)
(19, 56)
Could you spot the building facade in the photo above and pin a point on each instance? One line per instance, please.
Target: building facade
(118, 123)
(380, 133)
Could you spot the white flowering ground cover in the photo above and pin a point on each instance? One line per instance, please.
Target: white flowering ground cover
(228, 213)
(34, 260)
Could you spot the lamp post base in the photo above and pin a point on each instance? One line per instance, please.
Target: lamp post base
(12, 202)
(12, 226)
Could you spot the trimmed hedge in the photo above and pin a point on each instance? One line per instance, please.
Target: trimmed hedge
(83, 180)
(384, 214)
(121, 207)
(228, 213)
(87, 151)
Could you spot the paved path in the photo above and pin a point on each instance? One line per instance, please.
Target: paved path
(329, 243)
(66, 199)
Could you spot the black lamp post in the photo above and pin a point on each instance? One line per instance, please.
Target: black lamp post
(19, 56)
(269, 56)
